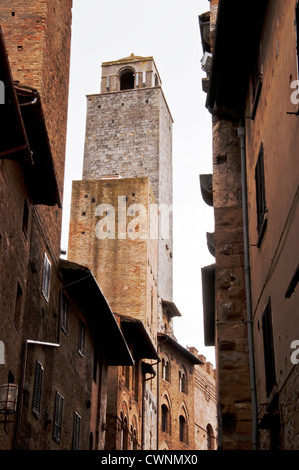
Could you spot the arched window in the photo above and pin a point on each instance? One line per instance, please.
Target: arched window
(183, 385)
(165, 419)
(210, 438)
(166, 369)
(127, 79)
(183, 429)
(124, 432)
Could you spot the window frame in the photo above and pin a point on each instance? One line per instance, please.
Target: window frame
(46, 278)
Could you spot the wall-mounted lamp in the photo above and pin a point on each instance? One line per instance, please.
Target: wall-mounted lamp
(8, 399)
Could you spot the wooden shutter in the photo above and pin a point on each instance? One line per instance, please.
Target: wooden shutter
(260, 189)
(46, 277)
(64, 313)
(57, 426)
(37, 392)
(76, 432)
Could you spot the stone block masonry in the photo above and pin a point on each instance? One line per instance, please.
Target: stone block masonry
(129, 133)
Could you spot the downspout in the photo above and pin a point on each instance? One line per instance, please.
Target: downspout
(241, 135)
(143, 403)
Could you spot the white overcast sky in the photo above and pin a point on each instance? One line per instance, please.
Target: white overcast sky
(168, 30)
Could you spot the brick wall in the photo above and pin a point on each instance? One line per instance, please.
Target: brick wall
(38, 35)
(120, 264)
(179, 403)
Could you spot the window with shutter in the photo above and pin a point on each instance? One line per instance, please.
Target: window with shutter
(81, 339)
(59, 400)
(76, 431)
(268, 348)
(261, 207)
(64, 313)
(37, 391)
(46, 277)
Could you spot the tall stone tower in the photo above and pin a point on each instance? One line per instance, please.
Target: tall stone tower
(129, 134)
(121, 218)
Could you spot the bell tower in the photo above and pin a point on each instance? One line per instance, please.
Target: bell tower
(129, 135)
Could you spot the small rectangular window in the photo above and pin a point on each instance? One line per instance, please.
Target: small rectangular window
(81, 339)
(58, 412)
(25, 219)
(64, 313)
(37, 391)
(256, 79)
(268, 348)
(46, 277)
(76, 432)
(18, 306)
(261, 207)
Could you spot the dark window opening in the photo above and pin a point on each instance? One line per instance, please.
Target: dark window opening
(257, 76)
(183, 429)
(293, 284)
(18, 306)
(127, 81)
(91, 441)
(127, 377)
(210, 438)
(183, 381)
(268, 348)
(11, 377)
(165, 419)
(261, 207)
(81, 339)
(165, 369)
(25, 219)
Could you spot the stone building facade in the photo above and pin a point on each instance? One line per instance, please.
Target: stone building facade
(56, 347)
(254, 187)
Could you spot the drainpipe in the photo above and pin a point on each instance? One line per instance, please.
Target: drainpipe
(241, 134)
